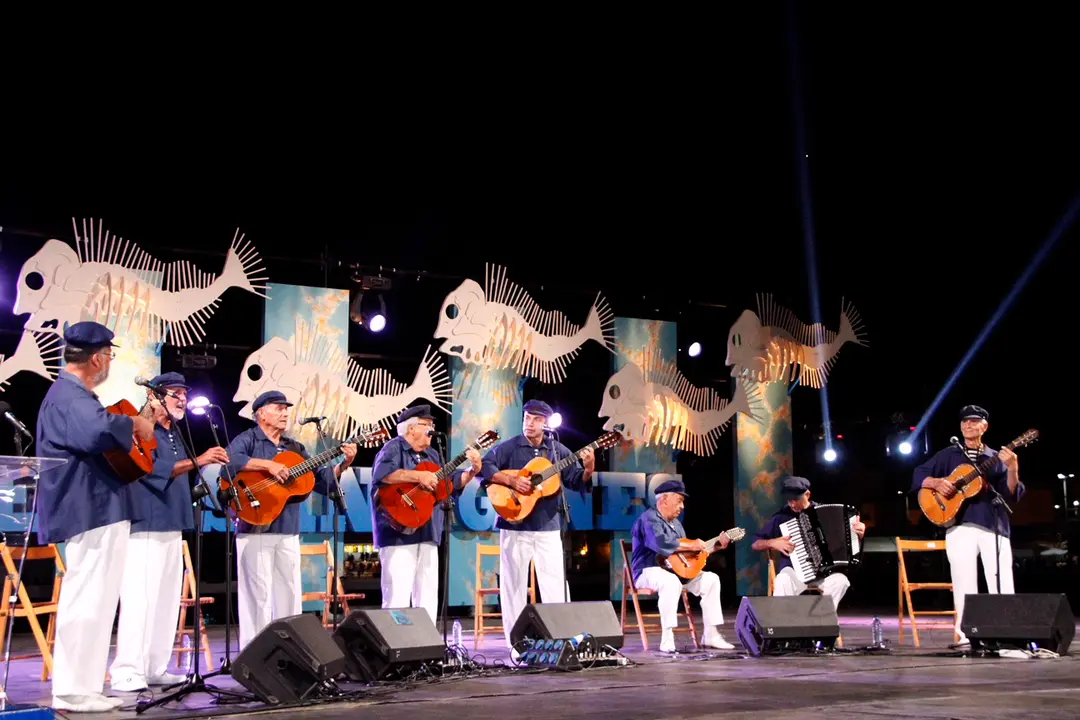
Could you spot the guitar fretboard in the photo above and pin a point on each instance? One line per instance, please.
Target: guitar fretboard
(981, 467)
(322, 458)
(452, 465)
(564, 463)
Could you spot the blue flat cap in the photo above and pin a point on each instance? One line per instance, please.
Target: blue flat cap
(794, 486)
(973, 411)
(89, 334)
(675, 486)
(538, 407)
(420, 411)
(171, 379)
(270, 396)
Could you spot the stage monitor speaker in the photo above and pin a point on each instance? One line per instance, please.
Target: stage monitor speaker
(768, 624)
(560, 621)
(289, 661)
(378, 643)
(994, 621)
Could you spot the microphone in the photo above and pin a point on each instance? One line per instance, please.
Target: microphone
(548, 431)
(158, 389)
(312, 419)
(430, 433)
(5, 410)
(954, 440)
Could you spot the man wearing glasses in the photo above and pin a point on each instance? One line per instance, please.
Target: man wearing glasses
(410, 556)
(85, 504)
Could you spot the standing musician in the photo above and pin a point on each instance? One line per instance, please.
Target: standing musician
(658, 531)
(973, 533)
(410, 560)
(268, 556)
(796, 491)
(154, 574)
(537, 538)
(84, 503)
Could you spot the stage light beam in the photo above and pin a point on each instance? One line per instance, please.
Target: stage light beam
(905, 448)
(695, 349)
(829, 455)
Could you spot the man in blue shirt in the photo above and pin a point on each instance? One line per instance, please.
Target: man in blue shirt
(84, 503)
(657, 531)
(538, 537)
(410, 556)
(796, 491)
(268, 556)
(972, 534)
(154, 575)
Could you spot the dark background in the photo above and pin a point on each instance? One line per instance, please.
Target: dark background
(659, 161)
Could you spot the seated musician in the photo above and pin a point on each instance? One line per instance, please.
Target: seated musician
(410, 556)
(796, 491)
(268, 556)
(658, 531)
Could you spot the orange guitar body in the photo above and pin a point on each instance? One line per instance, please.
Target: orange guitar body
(409, 504)
(941, 511)
(139, 460)
(686, 562)
(513, 506)
(272, 495)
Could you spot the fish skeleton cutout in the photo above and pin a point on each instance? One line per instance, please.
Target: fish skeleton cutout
(36, 352)
(501, 326)
(766, 346)
(322, 380)
(657, 405)
(114, 282)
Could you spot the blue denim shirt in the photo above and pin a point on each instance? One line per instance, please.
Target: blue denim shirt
(514, 454)
(650, 535)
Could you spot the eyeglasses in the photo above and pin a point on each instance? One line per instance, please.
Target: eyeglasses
(110, 353)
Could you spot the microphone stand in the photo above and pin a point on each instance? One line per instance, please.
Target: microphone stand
(337, 497)
(448, 514)
(31, 489)
(195, 682)
(565, 507)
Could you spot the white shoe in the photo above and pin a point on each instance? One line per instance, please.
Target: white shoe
(83, 703)
(667, 641)
(130, 683)
(115, 702)
(166, 679)
(714, 639)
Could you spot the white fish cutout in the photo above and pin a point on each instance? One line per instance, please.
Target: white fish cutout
(765, 349)
(501, 326)
(322, 380)
(656, 405)
(38, 353)
(112, 281)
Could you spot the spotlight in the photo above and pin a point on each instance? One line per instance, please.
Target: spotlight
(198, 405)
(695, 349)
(829, 455)
(377, 322)
(554, 421)
(362, 310)
(905, 448)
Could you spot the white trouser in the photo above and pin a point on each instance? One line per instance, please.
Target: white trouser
(963, 544)
(787, 584)
(516, 549)
(149, 605)
(411, 572)
(669, 587)
(268, 580)
(84, 618)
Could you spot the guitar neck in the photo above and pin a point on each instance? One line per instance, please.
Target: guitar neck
(710, 544)
(321, 459)
(449, 467)
(982, 466)
(566, 461)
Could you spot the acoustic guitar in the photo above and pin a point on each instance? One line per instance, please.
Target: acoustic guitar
(138, 462)
(513, 506)
(968, 481)
(410, 505)
(262, 497)
(688, 563)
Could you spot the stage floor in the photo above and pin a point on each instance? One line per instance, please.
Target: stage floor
(931, 682)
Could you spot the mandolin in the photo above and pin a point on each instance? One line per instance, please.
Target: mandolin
(513, 506)
(138, 462)
(968, 480)
(410, 505)
(261, 497)
(687, 563)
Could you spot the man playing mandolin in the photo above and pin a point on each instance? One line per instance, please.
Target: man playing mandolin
(657, 531)
(268, 556)
(410, 556)
(972, 534)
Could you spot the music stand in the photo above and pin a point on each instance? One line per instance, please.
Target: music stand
(18, 481)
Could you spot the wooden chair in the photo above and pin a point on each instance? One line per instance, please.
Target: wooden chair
(809, 589)
(187, 602)
(28, 609)
(326, 550)
(906, 587)
(631, 590)
(479, 616)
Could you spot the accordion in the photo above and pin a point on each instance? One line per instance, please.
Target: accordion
(825, 541)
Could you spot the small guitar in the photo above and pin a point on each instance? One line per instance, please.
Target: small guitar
(514, 507)
(410, 505)
(138, 462)
(687, 563)
(262, 497)
(968, 480)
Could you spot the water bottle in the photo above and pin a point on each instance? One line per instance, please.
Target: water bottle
(189, 651)
(875, 631)
(457, 633)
